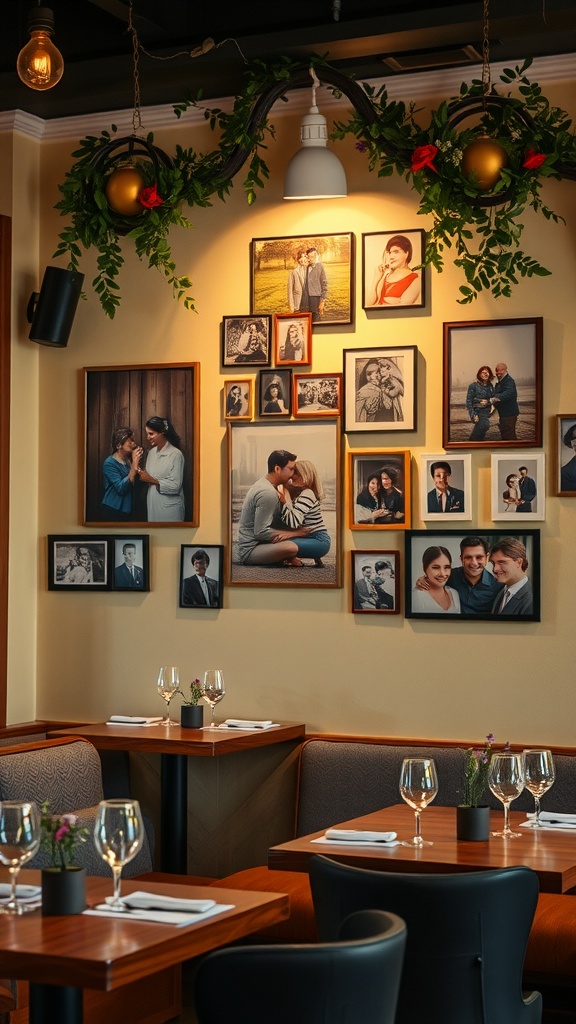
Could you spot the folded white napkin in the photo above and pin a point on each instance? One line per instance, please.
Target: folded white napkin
(158, 916)
(154, 901)
(245, 723)
(551, 821)
(24, 893)
(352, 835)
(132, 720)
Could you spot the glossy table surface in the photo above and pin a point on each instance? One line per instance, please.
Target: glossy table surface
(176, 740)
(551, 854)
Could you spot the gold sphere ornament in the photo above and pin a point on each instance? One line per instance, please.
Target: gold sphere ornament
(122, 189)
(484, 159)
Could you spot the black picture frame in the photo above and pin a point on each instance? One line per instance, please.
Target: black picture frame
(376, 266)
(269, 404)
(375, 582)
(463, 545)
(191, 593)
(131, 574)
(238, 346)
(380, 389)
(69, 568)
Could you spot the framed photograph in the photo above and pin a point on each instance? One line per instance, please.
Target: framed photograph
(379, 389)
(292, 339)
(304, 274)
(445, 491)
(492, 384)
(246, 339)
(491, 574)
(201, 576)
(379, 490)
(284, 480)
(389, 280)
(316, 394)
(131, 563)
(78, 562)
(238, 399)
(274, 392)
(519, 486)
(141, 448)
(376, 582)
(566, 455)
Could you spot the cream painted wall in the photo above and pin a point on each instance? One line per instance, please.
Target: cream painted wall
(289, 653)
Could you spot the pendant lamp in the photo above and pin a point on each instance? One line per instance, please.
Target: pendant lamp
(314, 172)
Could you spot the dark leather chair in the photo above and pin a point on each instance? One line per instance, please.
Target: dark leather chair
(354, 979)
(467, 936)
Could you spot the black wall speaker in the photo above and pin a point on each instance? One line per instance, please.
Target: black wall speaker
(51, 311)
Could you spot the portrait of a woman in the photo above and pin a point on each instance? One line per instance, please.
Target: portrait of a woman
(437, 596)
(394, 282)
(164, 472)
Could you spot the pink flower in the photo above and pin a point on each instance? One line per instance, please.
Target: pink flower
(533, 160)
(149, 197)
(62, 831)
(70, 819)
(423, 156)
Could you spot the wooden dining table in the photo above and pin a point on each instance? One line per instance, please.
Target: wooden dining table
(61, 956)
(550, 853)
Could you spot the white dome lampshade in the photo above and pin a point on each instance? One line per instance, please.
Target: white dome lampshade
(314, 172)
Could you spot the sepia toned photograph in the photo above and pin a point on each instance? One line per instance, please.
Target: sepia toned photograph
(379, 389)
(390, 279)
(246, 340)
(375, 582)
(275, 392)
(238, 399)
(292, 339)
(379, 490)
(304, 274)
(78, 562)
(316, 394)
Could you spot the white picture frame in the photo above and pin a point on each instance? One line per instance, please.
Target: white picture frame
(506, 498)
(457, 487)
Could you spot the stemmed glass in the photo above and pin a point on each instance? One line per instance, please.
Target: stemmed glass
(539, 775)
(213, 690)
(506, 780)
(168, 685)
(19, 841)
(118, 835)
(418, 787)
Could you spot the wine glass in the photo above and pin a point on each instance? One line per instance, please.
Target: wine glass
(168, 685)
(506, 780)
(19, 841)
(418, 787)
(118, 835)
(213, 690)
(539, 775)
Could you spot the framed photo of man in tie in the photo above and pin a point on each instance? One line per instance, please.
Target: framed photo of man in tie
(445, 491)
(201, 577)
(375, 582)
(131, 563)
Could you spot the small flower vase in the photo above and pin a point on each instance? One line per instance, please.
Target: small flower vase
(473, 824)
(192, 716)
(63, 891)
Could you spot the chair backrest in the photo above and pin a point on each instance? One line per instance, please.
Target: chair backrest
(467, 936)
(343, 982)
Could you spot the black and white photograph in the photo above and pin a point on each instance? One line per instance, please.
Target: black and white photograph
(316, 394)
(392, 275)
(246, 340)
(566, 455)
(238, 399)
(131, 563)
(445, 490)
(275, 392)
(376, 582)
(78, 562)
(492, 384)
(292, 339)
(304, 274)
(379, 490)
(485, 574)
(201, 577)
(380, 389)
(519, 486)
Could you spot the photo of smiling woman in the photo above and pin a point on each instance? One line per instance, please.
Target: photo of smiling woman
(390, 260)
(440, 597)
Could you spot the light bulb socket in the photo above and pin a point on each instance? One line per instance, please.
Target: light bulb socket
(41, 19)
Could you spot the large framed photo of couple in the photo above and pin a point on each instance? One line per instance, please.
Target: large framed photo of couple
(284, 504)
(492, 384)
(141, 445)
(379, 490)
(389, 281)
(304, 274)
(379, 389)
(488, 574)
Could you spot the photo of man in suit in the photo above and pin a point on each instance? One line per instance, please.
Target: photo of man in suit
(505, 400)
(508, 557)
(199, 590)
(128, 574)
(443, 497)
(528, 490)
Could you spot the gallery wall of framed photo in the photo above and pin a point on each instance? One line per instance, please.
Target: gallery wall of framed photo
(373, 397)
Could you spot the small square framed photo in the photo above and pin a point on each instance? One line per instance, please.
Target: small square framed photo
(376, 582)
(238, 399)
(274, 392)
(519, 486)
(201, 575)
(131, 563)
(292, 339)
(379, 389)
(445, 487)
(316, 394)
(566, 455)
(389, 280)
(379, 490)
(78, 562)
(246, 340)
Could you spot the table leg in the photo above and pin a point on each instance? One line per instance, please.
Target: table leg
(174, 813)
(51, 1003)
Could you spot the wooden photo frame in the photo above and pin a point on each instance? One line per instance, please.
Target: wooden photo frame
(445, 488)
(389, 282)
(263, 549)
(131, 563)
(238, 397)
(483, 574)
(519, 487)
(304, 274)
(378, 488)
(316, 394)
(375, 582)
(120, 402)
(380, 389)
(292, 339)
(274, 392)
(246, 340)
(79, 562)
(566, 455)
(504, 411)
(201, 581)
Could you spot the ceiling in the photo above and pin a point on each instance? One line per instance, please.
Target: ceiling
(97, 49)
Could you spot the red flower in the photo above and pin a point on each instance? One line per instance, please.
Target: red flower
(533, 160)
(149, 197)
(423, 157)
